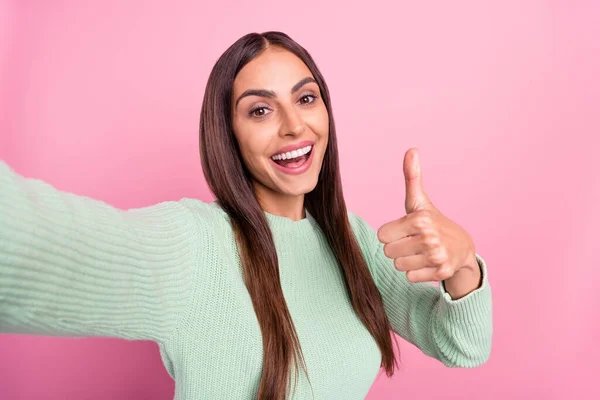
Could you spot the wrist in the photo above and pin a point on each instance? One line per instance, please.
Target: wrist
(472, 264)
(465, 280)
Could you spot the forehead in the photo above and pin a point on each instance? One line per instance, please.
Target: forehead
(274, 69)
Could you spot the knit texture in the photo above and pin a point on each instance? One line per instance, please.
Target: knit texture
(74, 266)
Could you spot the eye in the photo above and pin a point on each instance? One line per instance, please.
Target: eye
(306, 99)
(258, 112)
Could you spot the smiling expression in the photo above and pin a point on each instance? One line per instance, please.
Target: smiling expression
(280, 122)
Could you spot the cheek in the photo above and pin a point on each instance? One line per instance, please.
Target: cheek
(320, 122)
(252, 154)
(243, 135)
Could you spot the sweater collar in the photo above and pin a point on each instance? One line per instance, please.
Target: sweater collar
(277, 221)
(280, 222)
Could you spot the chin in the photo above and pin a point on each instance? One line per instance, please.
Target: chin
(298, 190)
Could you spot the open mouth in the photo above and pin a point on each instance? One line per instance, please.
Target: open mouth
(293, 159)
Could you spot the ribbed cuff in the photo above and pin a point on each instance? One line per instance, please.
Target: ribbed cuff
(465, 326)
(472, 296)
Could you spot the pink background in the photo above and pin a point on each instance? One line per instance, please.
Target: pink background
(502, 100)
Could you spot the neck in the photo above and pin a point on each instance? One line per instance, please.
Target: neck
(281, 204)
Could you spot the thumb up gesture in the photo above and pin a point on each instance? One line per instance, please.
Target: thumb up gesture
(425, 243)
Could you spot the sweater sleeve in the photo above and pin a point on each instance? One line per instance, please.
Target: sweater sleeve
(74, 266)
(456, 332)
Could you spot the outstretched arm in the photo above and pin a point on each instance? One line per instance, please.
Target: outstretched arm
(74, 266)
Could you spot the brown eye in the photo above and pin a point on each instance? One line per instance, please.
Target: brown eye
(258, 112)
(307, 99)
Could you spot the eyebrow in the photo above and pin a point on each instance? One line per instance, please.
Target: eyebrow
(271, 94)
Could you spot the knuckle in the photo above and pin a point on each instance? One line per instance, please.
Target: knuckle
(423, 220)
(420, 223)
(439, 257)
(429, 230)
(432, 240)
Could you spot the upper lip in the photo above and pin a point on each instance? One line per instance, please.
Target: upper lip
(294, 146)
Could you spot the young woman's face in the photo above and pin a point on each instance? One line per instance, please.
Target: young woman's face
(280, 122)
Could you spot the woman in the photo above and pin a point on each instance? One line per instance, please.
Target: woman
(272, 276)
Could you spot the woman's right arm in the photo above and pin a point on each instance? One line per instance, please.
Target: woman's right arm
(74, 266)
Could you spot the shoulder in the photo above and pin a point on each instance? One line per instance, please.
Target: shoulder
(204, 212)
(365, 233)
(358, 223)
(367, 240)
(205, 209)
(208, 217)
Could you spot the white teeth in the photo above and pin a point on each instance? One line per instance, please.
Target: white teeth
(292, 154)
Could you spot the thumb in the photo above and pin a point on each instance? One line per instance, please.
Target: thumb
(416, 199)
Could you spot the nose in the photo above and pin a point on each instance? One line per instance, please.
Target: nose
(292, 123)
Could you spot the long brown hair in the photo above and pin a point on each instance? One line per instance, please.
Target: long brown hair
(230, 182)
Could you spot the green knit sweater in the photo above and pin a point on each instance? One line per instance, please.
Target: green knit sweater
(73, 266)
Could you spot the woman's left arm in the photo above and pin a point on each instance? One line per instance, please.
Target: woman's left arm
(455, 331)
(452, 323)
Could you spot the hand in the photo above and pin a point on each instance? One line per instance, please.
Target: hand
(425, 243)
